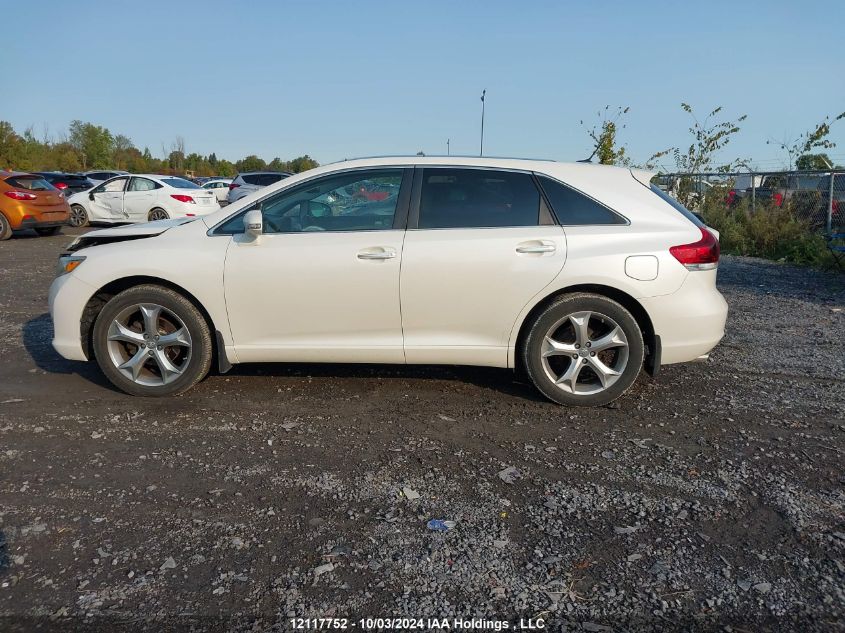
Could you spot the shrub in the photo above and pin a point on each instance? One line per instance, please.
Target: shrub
(770, 232)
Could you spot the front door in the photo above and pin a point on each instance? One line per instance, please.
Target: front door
(480, 244)
(107, 203)
(322, 282)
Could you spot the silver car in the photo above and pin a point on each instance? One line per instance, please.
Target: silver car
(245, 184)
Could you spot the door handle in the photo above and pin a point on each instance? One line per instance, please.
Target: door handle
(542, 247)
(377, 253)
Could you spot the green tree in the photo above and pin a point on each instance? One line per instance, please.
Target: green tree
(815, 138)
(251, 163)
(302, 163)
(93, 143)
(813, 161)
(603, 135)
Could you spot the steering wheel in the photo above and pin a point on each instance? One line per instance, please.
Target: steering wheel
(272, 225)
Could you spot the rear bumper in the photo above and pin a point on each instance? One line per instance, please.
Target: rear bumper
(691, 321)
(32, 223)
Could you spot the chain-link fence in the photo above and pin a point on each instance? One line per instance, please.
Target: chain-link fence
(815, 198)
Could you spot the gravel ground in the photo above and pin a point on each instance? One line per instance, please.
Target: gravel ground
(709, 499)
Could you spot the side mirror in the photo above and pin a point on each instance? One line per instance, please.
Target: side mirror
(253, 223)
(91, 196)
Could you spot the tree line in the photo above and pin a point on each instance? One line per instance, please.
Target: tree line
(88, 146)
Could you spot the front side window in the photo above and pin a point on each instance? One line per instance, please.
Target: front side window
(573, 208)
(269, 179)
(477, 198)
(363, 200)
(112, 185)
(141, 184)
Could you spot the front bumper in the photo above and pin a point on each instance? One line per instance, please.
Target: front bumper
(691, 321)
(68, 298)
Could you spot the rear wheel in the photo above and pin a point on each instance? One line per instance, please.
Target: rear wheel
(78, 216)
(584, 349)
(151, 341)
(46, 231)
(157, 214)
(5, 228)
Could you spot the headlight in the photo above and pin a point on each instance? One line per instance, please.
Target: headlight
(68, 263)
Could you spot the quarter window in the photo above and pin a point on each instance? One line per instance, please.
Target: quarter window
(477, 198)
(573, 208)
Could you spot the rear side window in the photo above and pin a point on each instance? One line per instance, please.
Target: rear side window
(142, 184)
(269, 179)
(32, 183)
(573, 208)
(477, 198)
(252, 179)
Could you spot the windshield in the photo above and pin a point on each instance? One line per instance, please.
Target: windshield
(180, 183)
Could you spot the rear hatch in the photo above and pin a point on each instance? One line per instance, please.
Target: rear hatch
(46, 195)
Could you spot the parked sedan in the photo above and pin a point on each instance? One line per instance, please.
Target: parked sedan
(579, 274)
(141, 198)
(100, 176)
(30, 202)
(68, 184)
(220, 187)
(245, 184)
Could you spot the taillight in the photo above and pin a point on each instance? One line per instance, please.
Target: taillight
(834, 206)
(60, 185)
(731, 197)
(700, 255)
(20, 195)
(182, 197)
(233, 186)
(778, 198)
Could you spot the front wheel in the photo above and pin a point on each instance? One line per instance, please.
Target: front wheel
(5, 228)
(151, 341)
(583, 349)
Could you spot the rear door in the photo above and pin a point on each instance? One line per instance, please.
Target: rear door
(139, 198)
(480, 244)
(106, 201)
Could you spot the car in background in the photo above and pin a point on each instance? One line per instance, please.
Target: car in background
(220, 187)
(140, 198)
(837, 206)
(67, 183)
(100, 176)
(28, 201)
(741, 188)
(244, 184)
(780, 189)
(579, 275)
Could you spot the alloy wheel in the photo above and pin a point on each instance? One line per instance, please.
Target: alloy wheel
(149, 344)
(158, 214)
(584, 353)
(78, 217)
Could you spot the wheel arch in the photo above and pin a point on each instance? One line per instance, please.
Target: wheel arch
(101, 297)
(623, 298)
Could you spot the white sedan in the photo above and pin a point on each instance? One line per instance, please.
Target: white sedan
(140, 198)
(220, 187)
(581, 275)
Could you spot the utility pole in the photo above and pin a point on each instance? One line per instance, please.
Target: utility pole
(447, 147)
(481, 150)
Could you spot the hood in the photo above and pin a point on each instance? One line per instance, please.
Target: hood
(126, 232)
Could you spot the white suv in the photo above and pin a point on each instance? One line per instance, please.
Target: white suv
(245, 184)
(580, 274)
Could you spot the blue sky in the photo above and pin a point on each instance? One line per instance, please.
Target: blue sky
(342, 79)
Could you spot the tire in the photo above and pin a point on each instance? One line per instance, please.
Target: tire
(78, 216)
(590, 338)
(152, 373)
(157, 214)
(47, 231)
(5, 228)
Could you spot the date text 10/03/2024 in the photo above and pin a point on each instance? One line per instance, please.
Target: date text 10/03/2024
(411, 624)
